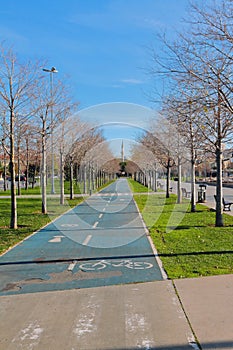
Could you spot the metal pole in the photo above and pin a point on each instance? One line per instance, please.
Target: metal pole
(51, 71)
(52, 150)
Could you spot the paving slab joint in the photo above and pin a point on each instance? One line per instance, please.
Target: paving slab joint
(195, 344)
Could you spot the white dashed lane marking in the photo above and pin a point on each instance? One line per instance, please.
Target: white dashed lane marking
(87, 240)
(95, 224)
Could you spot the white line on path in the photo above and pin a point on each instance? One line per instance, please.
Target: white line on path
(100, 216)
(87, 240)
(104, 209)
(95, 224)
(72, 265)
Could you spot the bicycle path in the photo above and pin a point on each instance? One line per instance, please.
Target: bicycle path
(102, 241)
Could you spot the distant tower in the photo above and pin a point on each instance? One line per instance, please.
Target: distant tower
(122, 152)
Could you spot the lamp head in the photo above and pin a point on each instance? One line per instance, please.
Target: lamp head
(53, 70)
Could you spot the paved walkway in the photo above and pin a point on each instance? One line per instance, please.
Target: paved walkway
(182, 314)
(102, 241)
(152, 315)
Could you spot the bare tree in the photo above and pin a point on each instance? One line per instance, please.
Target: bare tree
(66, 135)
(17, 83)
(5, 147)
(78, 153)
(203, 55)
(190, 141)
(161, 142)
(61, 104)
(30, 157)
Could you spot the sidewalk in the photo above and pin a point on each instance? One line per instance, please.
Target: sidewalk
(208, 304)
(161, 315)
(208, 301)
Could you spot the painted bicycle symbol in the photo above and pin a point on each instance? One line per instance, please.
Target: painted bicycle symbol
(102, 264)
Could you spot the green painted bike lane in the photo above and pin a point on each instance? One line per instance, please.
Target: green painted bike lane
(100, 242)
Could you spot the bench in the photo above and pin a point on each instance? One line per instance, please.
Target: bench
(185, 193)
(226, 205)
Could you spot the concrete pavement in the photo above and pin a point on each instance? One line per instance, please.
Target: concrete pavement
(133, 316)
(208, 301)
(161, 315)
(208, 304)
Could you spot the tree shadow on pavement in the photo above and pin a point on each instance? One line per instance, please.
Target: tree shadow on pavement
(204, 346)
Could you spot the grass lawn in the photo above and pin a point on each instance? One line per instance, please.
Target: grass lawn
(188, 244)
(37, 189)
(30, 218)
(77, 187)
(137, 187)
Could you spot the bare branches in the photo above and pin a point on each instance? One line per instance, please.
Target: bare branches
(199, 65)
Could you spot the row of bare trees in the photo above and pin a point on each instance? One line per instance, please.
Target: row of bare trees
(26, 102)
(197, 69)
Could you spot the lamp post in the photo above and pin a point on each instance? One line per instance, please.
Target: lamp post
(51, 71)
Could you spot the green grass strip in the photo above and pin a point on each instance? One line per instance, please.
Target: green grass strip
(194, 246)
(136, 187)
(30, 218)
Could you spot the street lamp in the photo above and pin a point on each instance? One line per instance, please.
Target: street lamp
(51, 71)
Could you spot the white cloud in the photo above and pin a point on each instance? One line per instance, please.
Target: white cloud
(131, 81)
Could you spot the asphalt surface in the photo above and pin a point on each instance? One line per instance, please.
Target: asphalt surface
(49, 299)
(100, 242)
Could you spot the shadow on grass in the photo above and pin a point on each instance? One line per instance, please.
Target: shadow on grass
(185, 227)
(213, 252)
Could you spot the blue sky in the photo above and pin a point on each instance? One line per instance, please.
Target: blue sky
(101, 45)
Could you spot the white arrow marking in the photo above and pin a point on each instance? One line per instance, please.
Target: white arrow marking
(56, 239)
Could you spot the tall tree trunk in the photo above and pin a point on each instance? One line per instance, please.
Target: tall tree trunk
(13, 221)
(193, 194)
(84, 179)
(93, 177)
(27, 164)
(43, 170)
(168, 180)
(179, 194)
(89, 179)
(61, 179)
(18, 161)
(4, 183)
(219, 158)
(71, 178)
(219, 192)
(76, 174)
